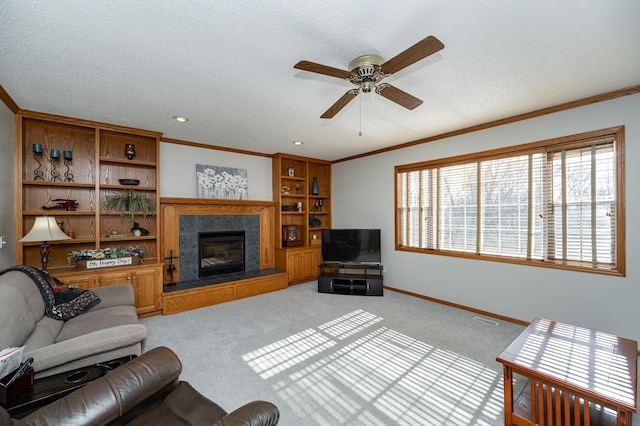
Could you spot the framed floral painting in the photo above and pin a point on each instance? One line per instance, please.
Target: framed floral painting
(221, 182)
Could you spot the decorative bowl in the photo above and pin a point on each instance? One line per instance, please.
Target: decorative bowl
(129, 181)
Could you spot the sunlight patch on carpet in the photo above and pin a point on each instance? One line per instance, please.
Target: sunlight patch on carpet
(349, 324)
(377, 376)
(286, 353)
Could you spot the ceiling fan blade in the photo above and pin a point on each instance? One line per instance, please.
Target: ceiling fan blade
(398, 96)
(322, 69)
(420, 50)
(342, 102)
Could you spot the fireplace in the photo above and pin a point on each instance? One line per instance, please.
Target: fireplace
(192, 226)
(220, 252)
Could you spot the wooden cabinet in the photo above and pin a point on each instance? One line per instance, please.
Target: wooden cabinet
(301, 264)
(302, 189)
(93, 160)
(146, 281)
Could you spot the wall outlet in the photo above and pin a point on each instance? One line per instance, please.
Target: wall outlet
(3, 241)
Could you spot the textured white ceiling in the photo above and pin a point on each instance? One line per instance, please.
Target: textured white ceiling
(228, 65)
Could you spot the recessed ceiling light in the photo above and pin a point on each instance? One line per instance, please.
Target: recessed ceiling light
(180, 118)
(298, 143)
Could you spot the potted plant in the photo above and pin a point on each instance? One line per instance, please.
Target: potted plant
(129, 201)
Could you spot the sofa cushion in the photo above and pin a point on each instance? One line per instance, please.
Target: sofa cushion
(22, 308)
(115, 295)
(44, 333)
(99, 319)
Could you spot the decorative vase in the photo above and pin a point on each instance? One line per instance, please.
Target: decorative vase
(314, 222)
(314, 186)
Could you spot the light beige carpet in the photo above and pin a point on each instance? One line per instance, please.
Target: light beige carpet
(328, 359)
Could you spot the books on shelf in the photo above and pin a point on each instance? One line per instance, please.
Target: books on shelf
(10, 359)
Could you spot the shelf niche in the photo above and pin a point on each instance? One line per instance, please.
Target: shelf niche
(298, 207)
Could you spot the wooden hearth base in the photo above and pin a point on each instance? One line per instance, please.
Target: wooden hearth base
(199, 297)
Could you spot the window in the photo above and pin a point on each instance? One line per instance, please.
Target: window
(556, 203)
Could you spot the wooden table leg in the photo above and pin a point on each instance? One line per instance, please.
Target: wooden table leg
(508, 395)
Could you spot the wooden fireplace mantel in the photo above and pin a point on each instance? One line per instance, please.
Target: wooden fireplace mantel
(172, 208)
(182, 300)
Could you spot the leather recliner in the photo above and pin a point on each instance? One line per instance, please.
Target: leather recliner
(144, 391)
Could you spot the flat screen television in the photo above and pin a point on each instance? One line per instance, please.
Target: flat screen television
(351, 245)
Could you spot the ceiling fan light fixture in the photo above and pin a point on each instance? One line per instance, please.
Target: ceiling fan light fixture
(367, 72)
(366, 63)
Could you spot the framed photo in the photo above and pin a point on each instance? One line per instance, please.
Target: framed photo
(221, 182)
(291, 235)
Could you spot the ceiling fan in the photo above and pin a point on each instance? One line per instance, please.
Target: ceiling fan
(367, 72)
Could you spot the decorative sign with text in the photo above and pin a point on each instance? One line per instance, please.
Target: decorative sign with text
(107, 263)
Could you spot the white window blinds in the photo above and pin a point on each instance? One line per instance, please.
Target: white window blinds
(554, 203)
(581, 208)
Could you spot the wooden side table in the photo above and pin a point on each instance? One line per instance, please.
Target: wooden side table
(576, 376)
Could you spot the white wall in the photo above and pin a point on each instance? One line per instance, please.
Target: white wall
(7, 198)
(178, 170)
(363, 197)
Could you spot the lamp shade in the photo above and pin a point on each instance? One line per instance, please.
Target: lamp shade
(45, 228)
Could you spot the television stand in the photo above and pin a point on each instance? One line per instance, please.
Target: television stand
(350, 278)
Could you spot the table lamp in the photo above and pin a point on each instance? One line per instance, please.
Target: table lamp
(45, 229)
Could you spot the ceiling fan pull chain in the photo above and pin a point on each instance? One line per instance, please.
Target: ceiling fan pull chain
(360, 132)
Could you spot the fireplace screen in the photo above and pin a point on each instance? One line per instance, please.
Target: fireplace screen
(220, 252)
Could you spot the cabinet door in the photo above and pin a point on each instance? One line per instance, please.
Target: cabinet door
(302, 265)
(112, 278)
(85, 281)
(315, 257)
(295, 265)
(147, 287)
(310, 262)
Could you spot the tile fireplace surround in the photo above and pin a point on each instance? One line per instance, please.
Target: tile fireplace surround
(190, 226)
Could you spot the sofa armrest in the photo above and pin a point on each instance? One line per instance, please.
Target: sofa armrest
(191, 407)
(86, 345)
(256, 413)
(114, 295)
(109, 397)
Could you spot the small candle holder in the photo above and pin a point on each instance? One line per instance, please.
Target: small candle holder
(38, 174)
(55, 159)
(68, 159)
(130, 150)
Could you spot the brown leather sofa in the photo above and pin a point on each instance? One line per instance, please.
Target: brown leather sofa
(144, 391)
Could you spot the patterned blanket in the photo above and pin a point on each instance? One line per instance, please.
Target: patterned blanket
(61, 301)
